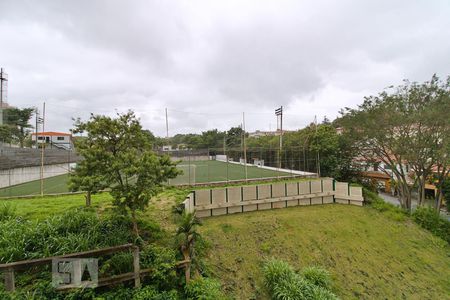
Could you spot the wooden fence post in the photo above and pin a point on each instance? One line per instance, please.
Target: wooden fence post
(9, 280)
(136, 267)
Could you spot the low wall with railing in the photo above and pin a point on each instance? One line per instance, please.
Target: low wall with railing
(239, 199)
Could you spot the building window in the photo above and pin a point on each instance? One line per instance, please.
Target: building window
(40, 138)
(60, 138)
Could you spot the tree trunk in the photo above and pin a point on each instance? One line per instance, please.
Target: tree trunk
(438, 200)
(88, 198)
(187, 266)
(134, 221)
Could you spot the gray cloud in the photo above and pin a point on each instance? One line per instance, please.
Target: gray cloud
(207, 62)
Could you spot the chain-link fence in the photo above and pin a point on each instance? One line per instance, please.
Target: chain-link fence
(22, 172)
(232, 164)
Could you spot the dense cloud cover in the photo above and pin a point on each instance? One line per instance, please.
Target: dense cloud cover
(209, 61)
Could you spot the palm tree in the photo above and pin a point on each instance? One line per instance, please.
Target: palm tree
(186, 236)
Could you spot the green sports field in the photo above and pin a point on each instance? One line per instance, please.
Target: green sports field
(213, 171)
(193, 173)
(52, 185)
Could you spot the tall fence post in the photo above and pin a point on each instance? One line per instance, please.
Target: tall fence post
(10, 285)
(136, 267)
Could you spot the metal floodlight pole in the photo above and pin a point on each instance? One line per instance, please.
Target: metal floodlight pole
(279, 112)
(245, 149)
(167, 127)
(42, 151)
(318, 156)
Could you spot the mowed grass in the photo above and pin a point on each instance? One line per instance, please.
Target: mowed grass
(370, 255)
(39, 208)
(52, 185)
(213, 171)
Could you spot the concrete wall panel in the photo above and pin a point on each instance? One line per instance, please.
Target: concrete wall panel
(292, 188)
(251, 207)
(356, 191)
(249, 192)
(327, 185)
(303, 187)
(202, 197)
(304, 201)
(219, 197)
(280, 204)
(292, 203)
(219, 211)
(264, 191)
(316, 187)
(203, 213)
(328, 199)
(278, 190)
(342, 201)
(234, 194)
(264, 206)
(341, 189)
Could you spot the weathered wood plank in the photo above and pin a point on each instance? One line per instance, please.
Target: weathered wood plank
(23, 264)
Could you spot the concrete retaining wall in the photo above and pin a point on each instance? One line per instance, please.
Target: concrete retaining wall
(26, 174)
(238, 199)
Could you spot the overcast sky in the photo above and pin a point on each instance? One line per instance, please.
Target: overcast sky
(209, 61)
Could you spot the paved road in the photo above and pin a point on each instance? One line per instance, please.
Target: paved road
(394, 200)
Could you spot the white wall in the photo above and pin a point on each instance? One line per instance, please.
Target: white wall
(26, 174)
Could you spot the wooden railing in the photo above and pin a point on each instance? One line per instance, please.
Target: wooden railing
(9, 269)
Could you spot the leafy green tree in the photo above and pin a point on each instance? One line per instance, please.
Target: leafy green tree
(403, 128)
(234, 137)
(88, 174)
(18, 119)
(6, 135)
(446, 193)
(121, 153)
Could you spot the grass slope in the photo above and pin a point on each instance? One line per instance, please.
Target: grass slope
(370, 255)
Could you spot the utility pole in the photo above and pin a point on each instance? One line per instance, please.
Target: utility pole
(3, 92)
(245, 148)
(42, 150)
(167, 126)
(279, 113)
(318, 155)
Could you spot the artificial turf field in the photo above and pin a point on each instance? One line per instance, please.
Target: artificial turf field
(193, 172)
(205, 171)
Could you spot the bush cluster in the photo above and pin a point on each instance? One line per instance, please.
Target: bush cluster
(429, 219)
(283, 283)
(202, 288)
(375, 201)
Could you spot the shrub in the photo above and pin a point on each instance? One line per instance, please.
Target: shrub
(429, 219)
(317, 276)
(393, 212)
(119, 263)
(204, 289)
(162, 261)
(285, 284)
(151, 293)
(7, 211)
(275, 271)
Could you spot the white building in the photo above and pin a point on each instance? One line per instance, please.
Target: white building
(54, 139)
